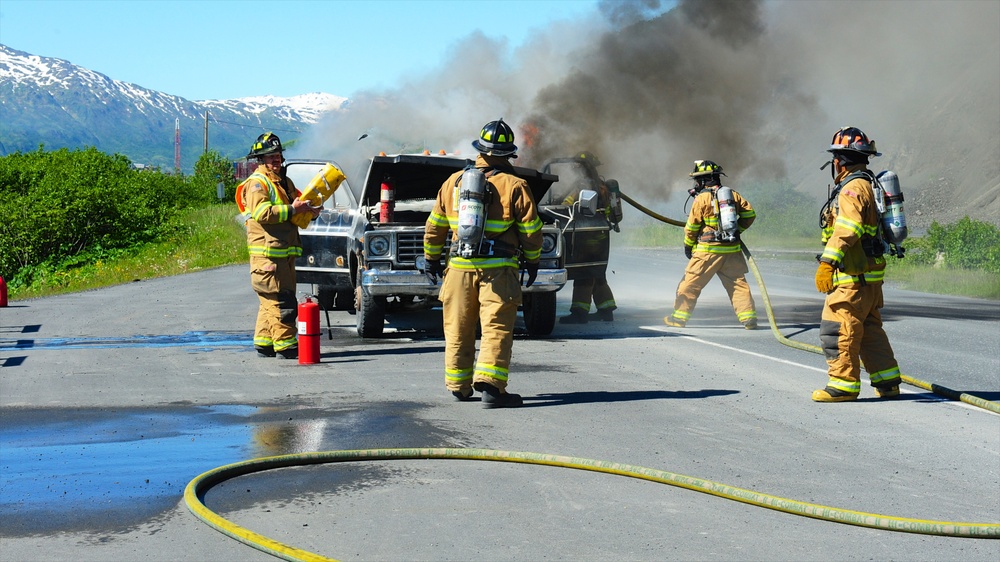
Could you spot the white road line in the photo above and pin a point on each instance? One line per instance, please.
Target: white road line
(794, 364)
(761, 355)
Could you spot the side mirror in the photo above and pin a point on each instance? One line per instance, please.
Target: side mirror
(588, 202)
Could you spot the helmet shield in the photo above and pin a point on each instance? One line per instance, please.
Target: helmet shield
(853, 139)
(268, 143)
(704, 168)
(496, 139)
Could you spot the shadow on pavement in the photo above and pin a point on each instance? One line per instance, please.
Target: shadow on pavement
(562, 399)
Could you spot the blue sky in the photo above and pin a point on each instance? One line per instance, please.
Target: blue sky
(221, 49)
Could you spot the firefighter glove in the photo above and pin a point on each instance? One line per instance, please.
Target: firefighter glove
(433, 270)
(687, 251)
(532, 270)
(824, 277)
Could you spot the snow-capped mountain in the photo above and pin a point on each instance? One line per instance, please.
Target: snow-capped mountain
(55, 103)
(305, 107)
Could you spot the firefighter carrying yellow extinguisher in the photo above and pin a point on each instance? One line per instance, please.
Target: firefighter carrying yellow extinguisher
(495, 224)
(850, 272)
(712, 245)
(268, 200)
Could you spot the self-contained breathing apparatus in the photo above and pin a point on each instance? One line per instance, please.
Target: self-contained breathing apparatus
(615, 212)
(891, 211)
(725, 208)
(473, 200)
(724, 205)
(888, 196)
(471, 211)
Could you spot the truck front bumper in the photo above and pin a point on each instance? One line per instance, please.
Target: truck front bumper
(381, 282)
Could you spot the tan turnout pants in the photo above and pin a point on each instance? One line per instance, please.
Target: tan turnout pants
(273, 279)
(701, 268)
(486, 297)
(851, 333)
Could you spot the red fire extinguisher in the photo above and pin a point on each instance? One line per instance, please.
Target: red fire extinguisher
(387, 201)
(309, 333)
(3, 292)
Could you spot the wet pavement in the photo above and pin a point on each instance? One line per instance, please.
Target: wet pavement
(111, 401)
(87, 469)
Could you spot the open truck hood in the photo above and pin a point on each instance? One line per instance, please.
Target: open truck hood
(419, 176)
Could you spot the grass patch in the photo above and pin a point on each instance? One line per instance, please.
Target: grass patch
(944, 281)
(905, 274)
(199, 239)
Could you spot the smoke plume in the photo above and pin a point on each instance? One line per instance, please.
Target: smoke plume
(758, 87)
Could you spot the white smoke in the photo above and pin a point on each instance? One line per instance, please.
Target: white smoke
(758, 87)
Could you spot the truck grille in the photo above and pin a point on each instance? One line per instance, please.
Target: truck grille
(410, 245)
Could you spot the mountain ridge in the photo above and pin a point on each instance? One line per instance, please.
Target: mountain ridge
(54, 103)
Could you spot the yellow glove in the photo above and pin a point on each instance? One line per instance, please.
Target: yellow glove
(824, 277)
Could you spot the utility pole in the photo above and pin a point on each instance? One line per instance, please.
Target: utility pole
(206, 131)
(177, 145)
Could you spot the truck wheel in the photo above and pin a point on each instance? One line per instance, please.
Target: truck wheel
(371, 314)
(539, 311)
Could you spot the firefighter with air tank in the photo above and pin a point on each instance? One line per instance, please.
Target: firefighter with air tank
(712, 245)
(851, 271)
(495, 230)
(593, 246)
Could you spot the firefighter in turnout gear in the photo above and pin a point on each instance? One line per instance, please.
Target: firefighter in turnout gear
(712, 245)
(495, 230)
(592, 246)
(850, 272)
(268, 200)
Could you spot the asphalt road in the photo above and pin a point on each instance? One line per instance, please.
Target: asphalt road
(111, 401)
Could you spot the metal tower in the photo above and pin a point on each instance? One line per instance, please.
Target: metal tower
(177, 146)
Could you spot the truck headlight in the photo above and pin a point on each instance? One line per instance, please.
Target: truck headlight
(378, 246)
(549, 242)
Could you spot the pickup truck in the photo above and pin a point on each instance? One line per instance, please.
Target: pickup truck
(371, 268)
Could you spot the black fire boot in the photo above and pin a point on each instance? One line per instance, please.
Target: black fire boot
(462, 395)
(289, 352)
(576, 316)
(493, 397)
(604, 315)
(264, 350)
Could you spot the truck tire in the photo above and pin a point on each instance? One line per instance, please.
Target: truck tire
(371, 314)
(539, 311)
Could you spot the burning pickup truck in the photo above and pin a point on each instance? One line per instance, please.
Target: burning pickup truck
(364, 253)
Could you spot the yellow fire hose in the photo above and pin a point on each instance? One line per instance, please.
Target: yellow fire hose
(195, 491)
(934, 388)
(197, 488)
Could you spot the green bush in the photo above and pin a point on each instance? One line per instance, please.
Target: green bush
(65, 208)
(209, 170)
(967, 244)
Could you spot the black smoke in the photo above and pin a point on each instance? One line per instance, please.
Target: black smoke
(758, 87)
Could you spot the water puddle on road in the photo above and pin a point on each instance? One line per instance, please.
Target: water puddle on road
(195, 339)
(77, 469)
